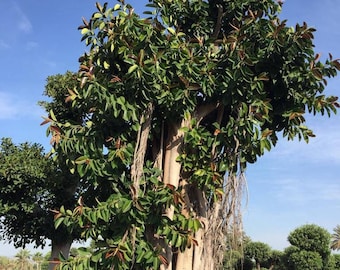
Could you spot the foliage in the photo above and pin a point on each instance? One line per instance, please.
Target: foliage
(331, 263)
(275, 260)
(234, 254)
(5, 262)
(311, 237)
(38, 259)
(336, 258)
(335, 245)
(169, 105)
(261, 255)
(257, 251)
(303, 260)
(232, 258)
(309, 248)
(57, 88)
(21, 261)
(23, 257)
(45, 264)
(30, 185)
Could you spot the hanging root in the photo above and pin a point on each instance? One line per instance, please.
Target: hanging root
(138, 162)
(236, 186)
(140, 150)
(225, 222)
(234, 191)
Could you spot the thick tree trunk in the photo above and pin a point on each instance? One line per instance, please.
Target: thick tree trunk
(171, 175)
(57, 248)
(185, 259)
(200, 256)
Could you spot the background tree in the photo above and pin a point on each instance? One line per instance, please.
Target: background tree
(5, 263)
(331, 263)
(23, 256)
(31, 185)
(275, 260)
(336, 261)
(257, 252)
(304, 259)
(310, 248)
(45, 264)
(234, 253)
(335, 245)
(171, 104)
(38, 259)
(57, 90)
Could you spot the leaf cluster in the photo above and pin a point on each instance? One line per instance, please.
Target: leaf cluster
(138, 220)
(309, 248)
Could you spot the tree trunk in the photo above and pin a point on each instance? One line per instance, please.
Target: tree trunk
(200, 256)
(258, 266)
(57, 248)
(206, 255)
(171, 174)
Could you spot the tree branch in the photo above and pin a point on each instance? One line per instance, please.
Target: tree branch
(203, 110)
(218, 24)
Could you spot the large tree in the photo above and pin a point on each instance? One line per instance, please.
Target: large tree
(172, 108)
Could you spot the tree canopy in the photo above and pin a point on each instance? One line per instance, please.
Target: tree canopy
(259, 252)
(312, 238)
(310, 248)
(30, 186)
(168, 106)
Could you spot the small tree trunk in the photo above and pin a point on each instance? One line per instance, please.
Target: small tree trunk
(57, 248)
(258, 266)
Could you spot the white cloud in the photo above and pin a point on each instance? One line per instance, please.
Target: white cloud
(12, 108)
(303, 190)
(324, 148)
(23, 23)
(15, 22)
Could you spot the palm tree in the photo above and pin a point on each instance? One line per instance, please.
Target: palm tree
(23, 257)
(335, 244)
(38, 258)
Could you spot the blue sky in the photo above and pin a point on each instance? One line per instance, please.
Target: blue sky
(294, 184)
